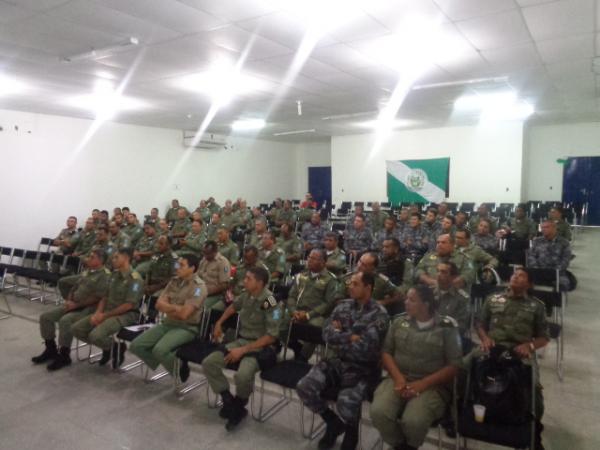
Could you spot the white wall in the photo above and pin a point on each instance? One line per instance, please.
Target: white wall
(485, 162)
(543, 176)
(44, 178)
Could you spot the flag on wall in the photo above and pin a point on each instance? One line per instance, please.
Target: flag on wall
(418, 180)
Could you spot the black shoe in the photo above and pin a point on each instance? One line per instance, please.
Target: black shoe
(118, 354)
(184, 371)
(228, 404)
(62, 360)
(350, 437)
(335, 427)
(105, 358)
(237, 414)
(48, 354)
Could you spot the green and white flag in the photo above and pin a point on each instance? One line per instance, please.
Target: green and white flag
(418, 180)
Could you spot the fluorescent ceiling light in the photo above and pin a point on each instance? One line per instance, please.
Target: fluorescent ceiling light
(349, 115)
(222, 82)
(323, 16)
(376, 124)
(105, 102)
(11, 86)
(287, 133)
(502, 79)
(517, 111)
(484, 101)
(248, 124)
(104, 52)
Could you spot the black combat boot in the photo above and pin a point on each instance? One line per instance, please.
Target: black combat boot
(228, 401)
(62, 360)
(237, 414)
(118, 354)
(335, 427)
(184, 371)
(350, 437)
(48, 354)
(105, 358)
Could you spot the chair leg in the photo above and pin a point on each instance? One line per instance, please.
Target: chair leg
(8, 313)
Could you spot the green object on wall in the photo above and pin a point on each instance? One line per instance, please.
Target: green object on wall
(561, 161)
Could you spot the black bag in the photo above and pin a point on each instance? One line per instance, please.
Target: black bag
(500, 384)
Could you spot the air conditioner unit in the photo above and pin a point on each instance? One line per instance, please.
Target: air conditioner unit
(208, 141)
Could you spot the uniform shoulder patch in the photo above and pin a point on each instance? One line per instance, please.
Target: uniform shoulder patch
(448, 322)
(463, 293)
(135, 275)
(383, 277)
(332, 275)
(270, 302)
(106, 271)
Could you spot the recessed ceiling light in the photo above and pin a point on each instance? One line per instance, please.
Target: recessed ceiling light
(248, 124)
(105, 102)
(11, 86)
(375, 124)
(287, 133)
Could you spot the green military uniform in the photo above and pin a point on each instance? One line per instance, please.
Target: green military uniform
(524, 228)
(305, 214)
(237, 283)
(214, 273)
(315, 294)
(194, 244)
(274, 259)
(478, 256)
(205, 214)
(418, 353)
(213, 207)
(336, 261)
(65, 284)
(135, 233)
(211, 231)
(144, 244)
(69, 235)
(181, 226)
(89, 289)
(454, 303)
(120, 240)
(377, 220)
(563, 229)
(255, 240)
(382, 289)
(158, 344)
(287, 216)
(243, 216)
(161, 268)
(231, 251)
(291, 246)
(429, 262)
(229, 221)
(274, 214)
(123, 288)
(84, 242)
(474, 223)
(171, 215)
(259, 317)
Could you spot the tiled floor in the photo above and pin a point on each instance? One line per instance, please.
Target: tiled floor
(88, 407)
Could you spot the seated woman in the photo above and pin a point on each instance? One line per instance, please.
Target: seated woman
(421, 354)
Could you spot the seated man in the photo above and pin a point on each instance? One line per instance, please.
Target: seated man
(228, 218)
(358, 238)
(336, 257)
(89, 289)
(86, 239)
(480, 258)
(403, 219)
(482, 213)
(65, 239)
(117, 310)
(421, 355)
(563, 229)
(313, 233)
(290, 244)
(260, 228)
(144, 250)
(359, 210)
(388, 231)
(117, 237)
(215, 270)
(391, 263)
(193, 242)
(311, 300)
(413, 237)
(484, 239)
(161, 267)
(550, 251)
(181, 302)
(204, 211)
(520, 226)
(377, 217)
(182, 225)
(383, 292)
(451, 301)
(227, 247)
(153, 218)
(517, 321)
(426, 272)
(461, 221)
(173, 211)
(133, 229)
(355, 332)
(243, 214)
(272, 256)
(286, 215)
(250, 260)
(430, 227)
(259, 329)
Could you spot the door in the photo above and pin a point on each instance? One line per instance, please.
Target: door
(581, 186)
(319, 185)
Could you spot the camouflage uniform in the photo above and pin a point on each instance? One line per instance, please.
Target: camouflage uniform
(377, 220)
(430, 233)
(89, 289)
(382, 289)
(315, 294)
(336, 261)
(259, 316)
(479, 256)
(313, 235)
(546, 254)
(161, 269)
(123, 288)
(231, 251)
(120, 240)
(158, 344)
(171, 215)
(359, 240)
(85, 241)
(205, 214)
(383, 235)
(474, 223)
(135, 233)
(360, 359)
(304, 214)
(392, 268)
(429, 262)
(243, 217)
(181, 226)
(489, 243)
(418, 353)
(454, 303)
(287, 216)
(68, 235)
(413, 240)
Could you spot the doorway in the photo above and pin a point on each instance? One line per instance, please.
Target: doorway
(319, 185)
(581, 186)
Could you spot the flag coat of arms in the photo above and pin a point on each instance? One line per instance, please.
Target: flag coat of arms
(418, 180)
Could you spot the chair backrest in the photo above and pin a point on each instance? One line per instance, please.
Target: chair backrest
(58, 259)
(73, 263)
(17, 257)
(5, 252)
(545, 277)
(30, 258)
(45, 256)
(551, 299)
(307, 333)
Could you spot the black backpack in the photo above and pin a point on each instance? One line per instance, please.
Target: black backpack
(501, 383)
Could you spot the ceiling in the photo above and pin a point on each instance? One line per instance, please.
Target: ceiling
(543, 50)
